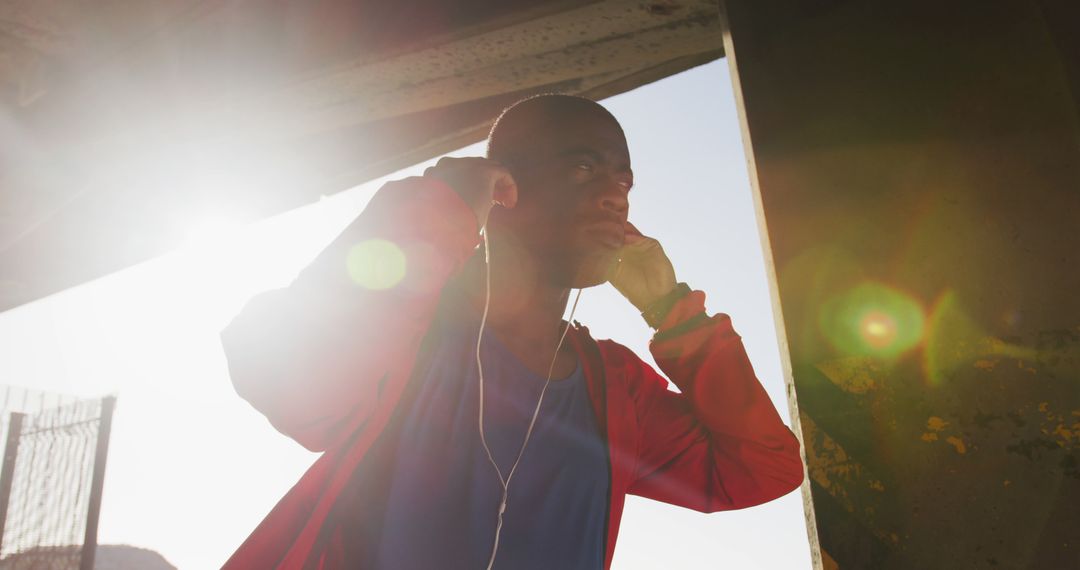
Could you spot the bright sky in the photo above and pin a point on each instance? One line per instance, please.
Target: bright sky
(193, 468)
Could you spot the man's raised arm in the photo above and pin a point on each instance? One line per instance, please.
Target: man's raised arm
(312, 357)
(719, 444)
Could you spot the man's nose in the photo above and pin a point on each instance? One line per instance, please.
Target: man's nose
(613, 197)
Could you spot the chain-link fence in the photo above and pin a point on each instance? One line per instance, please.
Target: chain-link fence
(51, 479)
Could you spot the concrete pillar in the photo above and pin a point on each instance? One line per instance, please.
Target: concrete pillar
(918, 168)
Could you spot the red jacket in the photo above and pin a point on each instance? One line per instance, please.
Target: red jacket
(330, 363)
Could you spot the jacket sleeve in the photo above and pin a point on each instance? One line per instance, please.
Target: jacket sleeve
(312, 357)
(719, 444)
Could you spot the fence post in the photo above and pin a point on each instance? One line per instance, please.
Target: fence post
(7, 472)
(89, 548)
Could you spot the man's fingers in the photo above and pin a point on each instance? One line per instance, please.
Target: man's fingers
(633, 235)
(481, 181)
(447, 163)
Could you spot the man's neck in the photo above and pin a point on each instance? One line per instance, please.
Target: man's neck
(526, 308)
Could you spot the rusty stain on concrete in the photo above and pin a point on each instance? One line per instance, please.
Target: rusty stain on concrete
(855, 374)
(853, 485)
(827, 562)
(957, 443)
(828, 462)
(935, 423)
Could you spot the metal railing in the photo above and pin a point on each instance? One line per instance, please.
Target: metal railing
(51, 478)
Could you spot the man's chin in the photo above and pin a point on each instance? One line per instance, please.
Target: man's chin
(593, 271)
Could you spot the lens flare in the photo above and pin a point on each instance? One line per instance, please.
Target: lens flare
(878, 329)
(954, 339)
(872, 319)
(376, 264)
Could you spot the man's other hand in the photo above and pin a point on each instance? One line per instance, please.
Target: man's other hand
(480, 182)
(643, 273)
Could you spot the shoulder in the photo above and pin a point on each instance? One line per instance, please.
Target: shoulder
(615, 353)
(615, 357)
(624, 368)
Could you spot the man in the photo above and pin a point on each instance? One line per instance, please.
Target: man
(459, 428)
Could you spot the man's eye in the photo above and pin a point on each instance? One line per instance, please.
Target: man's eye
(584, 166)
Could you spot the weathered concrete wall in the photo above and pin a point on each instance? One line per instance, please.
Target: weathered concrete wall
(919, 172)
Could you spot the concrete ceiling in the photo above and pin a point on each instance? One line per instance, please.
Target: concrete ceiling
(124, 122)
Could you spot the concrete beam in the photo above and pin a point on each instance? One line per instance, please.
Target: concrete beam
(222, 109)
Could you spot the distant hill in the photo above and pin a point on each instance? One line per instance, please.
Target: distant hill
(108, 557)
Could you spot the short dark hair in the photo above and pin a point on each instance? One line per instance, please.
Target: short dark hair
(517, 126)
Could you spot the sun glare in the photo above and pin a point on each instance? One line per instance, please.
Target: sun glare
(211, 232)
(376, 264)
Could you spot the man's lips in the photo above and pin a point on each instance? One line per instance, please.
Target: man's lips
(608, 232)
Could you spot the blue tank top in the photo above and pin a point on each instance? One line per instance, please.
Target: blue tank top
(444, 494)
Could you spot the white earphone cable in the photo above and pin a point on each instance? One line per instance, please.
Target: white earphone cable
(505, 481)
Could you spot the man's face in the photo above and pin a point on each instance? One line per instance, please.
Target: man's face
(572, 199)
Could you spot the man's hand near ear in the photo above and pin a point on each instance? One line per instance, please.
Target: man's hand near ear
(480, 182)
